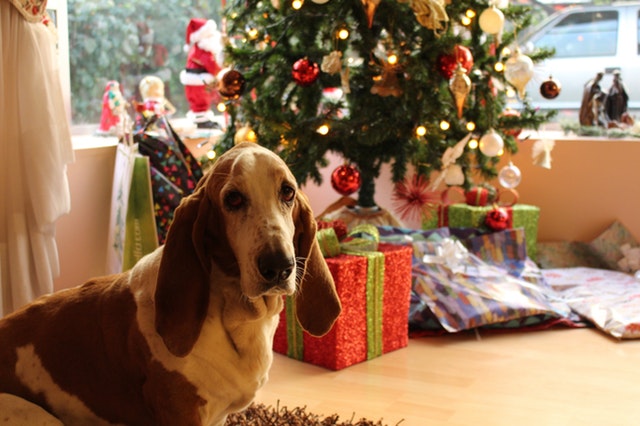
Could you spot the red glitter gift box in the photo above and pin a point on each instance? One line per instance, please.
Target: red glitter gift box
(374, 318)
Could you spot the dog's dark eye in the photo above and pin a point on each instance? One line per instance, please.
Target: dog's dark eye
(234, 200)
(287, 193)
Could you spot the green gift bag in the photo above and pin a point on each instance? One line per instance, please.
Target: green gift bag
(132, 227)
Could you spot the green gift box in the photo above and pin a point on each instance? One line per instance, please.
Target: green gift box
(466, 216)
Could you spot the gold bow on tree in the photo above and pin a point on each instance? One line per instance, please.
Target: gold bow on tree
(430, 13)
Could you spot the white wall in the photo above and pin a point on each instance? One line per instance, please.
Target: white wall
(82, 234)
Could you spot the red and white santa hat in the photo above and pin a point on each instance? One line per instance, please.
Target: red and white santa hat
(200, 28)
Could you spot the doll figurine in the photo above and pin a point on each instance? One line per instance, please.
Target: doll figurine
(113, 107)
(590, 98)
(617, 99)
(205, 45)
(154, 102)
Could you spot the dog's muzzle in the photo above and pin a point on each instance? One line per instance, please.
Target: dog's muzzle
(275, 267)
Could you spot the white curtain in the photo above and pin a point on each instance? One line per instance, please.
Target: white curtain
(35, 146)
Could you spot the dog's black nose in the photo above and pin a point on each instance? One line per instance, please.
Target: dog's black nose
(275, 266)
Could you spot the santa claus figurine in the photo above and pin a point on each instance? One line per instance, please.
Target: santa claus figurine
(204, 57)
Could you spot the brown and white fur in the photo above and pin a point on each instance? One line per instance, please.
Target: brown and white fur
(185, 337)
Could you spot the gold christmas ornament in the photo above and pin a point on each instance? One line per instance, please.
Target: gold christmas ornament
(332, 63)
(460, 86)
(344, 80)
(518, 71)
(387, 84)
(370, 7)
(491, 20)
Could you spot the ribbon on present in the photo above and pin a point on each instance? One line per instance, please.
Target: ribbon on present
(443, 209)
(511, 198)
(295, 334)
(450, 253)
(363, 238)
(361, 241)
(374, 292)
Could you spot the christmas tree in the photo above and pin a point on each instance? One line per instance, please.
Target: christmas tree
(379, 81)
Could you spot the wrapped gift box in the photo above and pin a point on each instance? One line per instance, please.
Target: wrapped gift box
(374, 289)
(466, 216)
(608, 299)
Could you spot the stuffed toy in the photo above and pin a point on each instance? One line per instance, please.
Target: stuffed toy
(154, 101)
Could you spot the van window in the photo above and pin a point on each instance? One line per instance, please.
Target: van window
(126, 41)
(583, 34)
(638, 35)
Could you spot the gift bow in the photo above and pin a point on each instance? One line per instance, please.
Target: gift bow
(430, 14)
(450, 253)
(362, 238)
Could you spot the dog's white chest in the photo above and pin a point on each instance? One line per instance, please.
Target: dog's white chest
(229, 380)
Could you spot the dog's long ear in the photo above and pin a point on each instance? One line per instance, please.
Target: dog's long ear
(182, 291)
(317, 303)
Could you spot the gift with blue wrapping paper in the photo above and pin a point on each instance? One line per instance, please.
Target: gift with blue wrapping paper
(490, 283)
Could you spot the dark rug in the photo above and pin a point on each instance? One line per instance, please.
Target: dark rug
(261, 415)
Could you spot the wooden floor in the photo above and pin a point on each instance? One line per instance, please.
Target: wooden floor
(552, 377)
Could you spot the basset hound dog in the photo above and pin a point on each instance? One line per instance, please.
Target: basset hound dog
(185, 336)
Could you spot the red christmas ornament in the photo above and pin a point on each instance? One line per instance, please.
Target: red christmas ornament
(515, 132)
(497, 219)
(346, 179)
(231, 83)
(447, 63)
(305, 72)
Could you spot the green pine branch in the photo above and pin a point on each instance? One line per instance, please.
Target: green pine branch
(368, 129)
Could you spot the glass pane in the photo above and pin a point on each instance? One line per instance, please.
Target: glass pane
(126, 41)
(638, 35)
(583, 34)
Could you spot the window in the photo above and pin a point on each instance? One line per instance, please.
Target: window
(583, 34)
(126, 41)
(638, 32)
(57, 10)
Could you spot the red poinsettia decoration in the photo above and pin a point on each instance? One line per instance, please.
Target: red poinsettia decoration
(412, 197)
